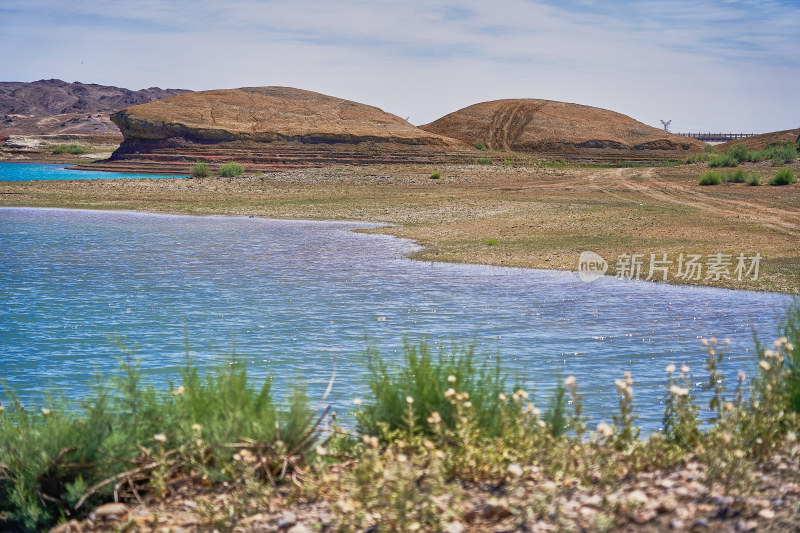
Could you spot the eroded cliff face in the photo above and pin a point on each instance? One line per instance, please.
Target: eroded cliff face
(270, 128)
(269, 114)
(549, 128)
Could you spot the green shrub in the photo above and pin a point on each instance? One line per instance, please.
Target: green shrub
(73, 149)
(200, 170)
(737, 176)
(427, 378)
(436, 175)
(784, 154)
(791, 333)
(480, 145)
(784, 176)
(49, 457)
(485, 161)
(710, 178)
(740, 153)
(725, 160)
(701, 157)
(231, 170)
(490, 242)
(754, 180)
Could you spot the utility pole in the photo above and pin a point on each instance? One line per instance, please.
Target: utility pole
(666, 124)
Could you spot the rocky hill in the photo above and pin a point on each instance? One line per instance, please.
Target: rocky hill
(269, 128)
(55, 107)
(560, 129)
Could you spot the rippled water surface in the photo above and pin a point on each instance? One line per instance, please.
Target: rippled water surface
(291, 296)
(34, 172)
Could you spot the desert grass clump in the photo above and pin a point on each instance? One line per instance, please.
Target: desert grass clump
(480, 145)
(737, 176)
(784, 154)
(200, 170)
(754, 180)
(435, 175)
(784, 176)
(710, 178)
(724, 160)
(231, 170)
(484, 160)
(72, 149)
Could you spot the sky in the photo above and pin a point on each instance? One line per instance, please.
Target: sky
(706, 65)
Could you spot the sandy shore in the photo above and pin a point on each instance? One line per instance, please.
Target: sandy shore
(541, 217)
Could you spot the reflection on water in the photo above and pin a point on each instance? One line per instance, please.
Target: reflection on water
(289, 297)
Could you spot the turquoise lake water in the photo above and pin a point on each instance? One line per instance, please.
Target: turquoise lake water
(293, 296)
(35, 172)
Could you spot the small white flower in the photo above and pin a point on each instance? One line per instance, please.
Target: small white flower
(522, 394)
(467, 404)
(704, 342)
(570, 381)
(449, 392)
(679, 391)
(685, 369)
(621, 385)
(670, 368)
(321, 451)
(160, 437)
(769, 354)
(435, 418)
(713, 340)
(409, 400)
(502, 397)
(536, 411)
(727, 341)
(605, 429)
(357, 401)
(789, 346)
(515, 470)
(791, 436)
(764, 365)
(196, 428)
(777, 343)
(451, 378)
(45, 411)
(741, 376)
(541, 423)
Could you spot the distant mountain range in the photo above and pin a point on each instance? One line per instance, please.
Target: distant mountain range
(57, 107)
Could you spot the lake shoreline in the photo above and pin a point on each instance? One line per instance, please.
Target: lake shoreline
(530, 217)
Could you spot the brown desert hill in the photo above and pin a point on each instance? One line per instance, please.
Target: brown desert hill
(759, 142)
(560, 129)
(268, 114)
(268, 128)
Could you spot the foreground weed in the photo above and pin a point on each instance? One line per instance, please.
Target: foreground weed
(424, 376)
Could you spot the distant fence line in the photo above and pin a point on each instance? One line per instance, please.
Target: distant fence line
(721, 137)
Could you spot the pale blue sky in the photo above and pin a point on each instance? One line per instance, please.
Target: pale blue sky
(731, 65)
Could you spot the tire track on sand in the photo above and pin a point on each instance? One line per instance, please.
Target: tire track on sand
(782, 220)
